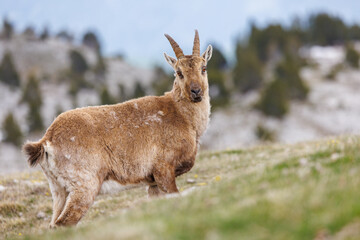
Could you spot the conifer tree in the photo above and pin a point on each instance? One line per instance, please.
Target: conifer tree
(44, 34)
(31, 93)
(100, 67)
(91, 40)
(139, 90)
(106, 97)
(216, 70)
(59, 110)
(247, 74)
(34, 118)
(352, 56)
(8, 29)
(8, 72)
(288, 71)
(78, 67)
(122, 93)
(12, 131)
(78, 64)
(274, 100)
(162, 81)
(219, 94)
(65, 36)
(29, 33)
(325, 29)
(32, 97)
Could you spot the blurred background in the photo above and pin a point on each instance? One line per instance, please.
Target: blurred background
(280, 72)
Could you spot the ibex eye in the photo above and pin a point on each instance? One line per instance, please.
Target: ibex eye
(203, 70)
(180, 74)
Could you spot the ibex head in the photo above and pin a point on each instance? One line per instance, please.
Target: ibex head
(190, 70)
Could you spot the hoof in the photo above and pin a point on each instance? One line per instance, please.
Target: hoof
(53, 226)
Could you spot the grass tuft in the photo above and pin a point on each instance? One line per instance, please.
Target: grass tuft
(8, 209)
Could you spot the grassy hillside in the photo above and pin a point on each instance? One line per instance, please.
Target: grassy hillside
(303, 191)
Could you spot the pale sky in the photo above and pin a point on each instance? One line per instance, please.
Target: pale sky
(136, 27)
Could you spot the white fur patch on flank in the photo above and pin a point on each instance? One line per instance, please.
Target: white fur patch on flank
(68, 156)
(72, 139)
(63, 183)
(71, 172)
(153, 118)
(161, 113)
(48, 148)
(113, 114)
(52, 188)
(136, 105)
(85, 176)
(50, 153)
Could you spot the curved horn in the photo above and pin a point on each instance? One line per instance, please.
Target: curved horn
(196, 49)
(178, 52)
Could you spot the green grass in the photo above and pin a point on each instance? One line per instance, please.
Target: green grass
(303, 191)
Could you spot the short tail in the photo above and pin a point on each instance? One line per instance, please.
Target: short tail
(35, 152)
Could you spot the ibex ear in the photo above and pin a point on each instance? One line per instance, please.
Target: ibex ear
(170, 60)
(207, 54)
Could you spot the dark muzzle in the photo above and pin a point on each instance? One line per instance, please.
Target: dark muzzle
(196, 94)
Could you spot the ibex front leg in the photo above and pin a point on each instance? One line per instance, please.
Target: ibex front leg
(164, 175)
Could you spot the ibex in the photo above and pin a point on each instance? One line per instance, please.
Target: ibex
(145, 141)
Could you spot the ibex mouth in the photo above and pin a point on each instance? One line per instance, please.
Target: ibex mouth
(196, 99)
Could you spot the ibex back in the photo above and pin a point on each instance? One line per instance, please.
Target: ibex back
(145, 141)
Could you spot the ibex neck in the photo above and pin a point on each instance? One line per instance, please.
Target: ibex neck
(197, 114)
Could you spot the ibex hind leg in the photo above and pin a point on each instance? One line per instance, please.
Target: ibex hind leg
(79, 200)
(59, 195)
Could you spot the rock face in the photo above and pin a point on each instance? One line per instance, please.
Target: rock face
(49, 60)
(46, 58)
(332, 108)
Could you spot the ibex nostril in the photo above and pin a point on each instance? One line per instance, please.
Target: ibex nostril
(196, 91)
